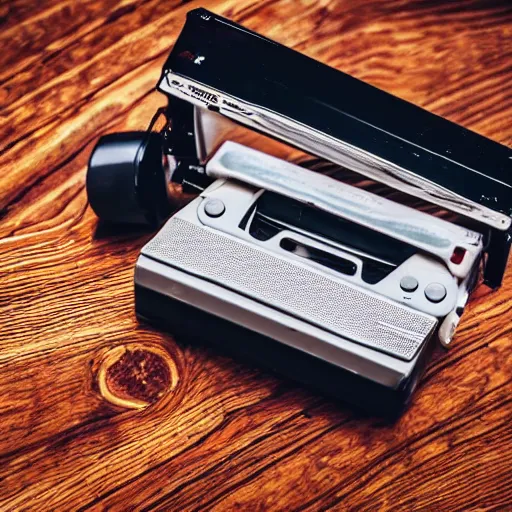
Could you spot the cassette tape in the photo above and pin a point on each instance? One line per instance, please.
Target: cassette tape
(301, 273)
(346, 277)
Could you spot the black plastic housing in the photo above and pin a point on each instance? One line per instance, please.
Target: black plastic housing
(262, 72)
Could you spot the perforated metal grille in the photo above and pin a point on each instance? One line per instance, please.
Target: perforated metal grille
(329, 303)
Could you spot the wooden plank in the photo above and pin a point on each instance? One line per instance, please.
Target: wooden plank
(194, 429)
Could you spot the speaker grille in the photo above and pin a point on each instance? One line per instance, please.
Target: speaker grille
(322, 300)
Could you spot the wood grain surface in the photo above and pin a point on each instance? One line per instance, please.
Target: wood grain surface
(100, 412)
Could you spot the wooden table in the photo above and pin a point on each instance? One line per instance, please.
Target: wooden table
(192, 429)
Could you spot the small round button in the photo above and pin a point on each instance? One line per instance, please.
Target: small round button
(435, 292)
(214, 208)
(408, 283)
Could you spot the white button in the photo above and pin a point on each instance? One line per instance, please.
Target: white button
(408, 283)
(214, 208)
(435, 292)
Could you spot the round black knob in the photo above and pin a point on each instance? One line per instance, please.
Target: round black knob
(126, 180)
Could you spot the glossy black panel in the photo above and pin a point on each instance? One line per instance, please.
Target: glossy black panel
(223, 55)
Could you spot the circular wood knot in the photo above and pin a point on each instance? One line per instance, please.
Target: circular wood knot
(136, 376)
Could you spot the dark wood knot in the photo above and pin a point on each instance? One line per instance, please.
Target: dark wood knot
(135, 376)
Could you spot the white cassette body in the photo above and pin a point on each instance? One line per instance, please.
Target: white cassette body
(207, 257)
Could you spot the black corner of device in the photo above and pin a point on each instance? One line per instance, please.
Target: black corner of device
(497, 257)
(126, 181)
